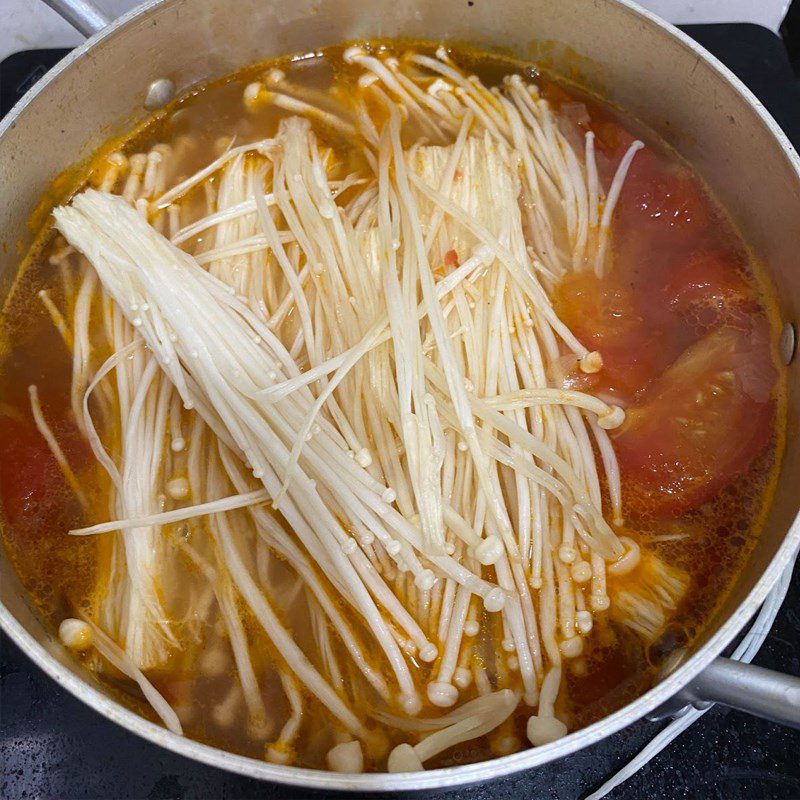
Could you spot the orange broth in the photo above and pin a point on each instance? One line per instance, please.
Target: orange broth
(680, 271)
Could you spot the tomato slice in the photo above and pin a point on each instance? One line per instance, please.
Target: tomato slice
(661, 214)
(707, 289)
(611, 143)
(33, 491)
(660, 217)
(28, 470)
(660, 199)
(603, 315)
(658, 222)
(700, 425)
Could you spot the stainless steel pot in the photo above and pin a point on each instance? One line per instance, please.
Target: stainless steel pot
(629, 56)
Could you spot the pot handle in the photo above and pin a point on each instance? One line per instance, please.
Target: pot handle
(83, 15)
(746, 687)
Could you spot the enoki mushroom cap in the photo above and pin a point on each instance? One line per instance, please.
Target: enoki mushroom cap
(489, 550)
(591, 363)
(543, 730)
(252, 93)
(471, 627)
(75, 634)
(278, 753)
(411, 704)
(425, 580)
(442, 694)
(613, 419)
(346, 757)
(584, 622)
(494, 600)
(462, 678)
(404, 759)
(178, 488)
(581, 571)
(258, 728)
(572, 647)
(428, 652)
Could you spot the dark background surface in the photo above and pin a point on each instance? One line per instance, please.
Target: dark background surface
(53, 746)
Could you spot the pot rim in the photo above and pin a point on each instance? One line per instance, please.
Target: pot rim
(448, 777)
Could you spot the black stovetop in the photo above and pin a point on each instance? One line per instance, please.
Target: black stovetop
(52, 746)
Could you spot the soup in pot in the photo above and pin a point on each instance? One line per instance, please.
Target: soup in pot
(386, 408)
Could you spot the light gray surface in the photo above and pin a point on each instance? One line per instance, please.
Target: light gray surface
(28, 24)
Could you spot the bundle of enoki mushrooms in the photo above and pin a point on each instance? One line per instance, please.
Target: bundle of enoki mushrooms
(344, 464)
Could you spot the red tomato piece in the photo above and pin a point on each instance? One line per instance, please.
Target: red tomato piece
(661, 215)
(611, 137)
(602, 314)
(28, 470)
(701, 424)
(33, 491)
(707, 290)
(451, 260)
(611, 143)
(661, 199)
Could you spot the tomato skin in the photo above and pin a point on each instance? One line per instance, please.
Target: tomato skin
(451, 260)
(700, 425)
(611, 138)
(32, 486)
(602, 314)
(611, 143)
(673, 294)
(555, 94)
(658, 200)
(707, 290)
(28, 468)
(661, 217)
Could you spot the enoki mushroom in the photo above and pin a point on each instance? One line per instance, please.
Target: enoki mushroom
(330, 407)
